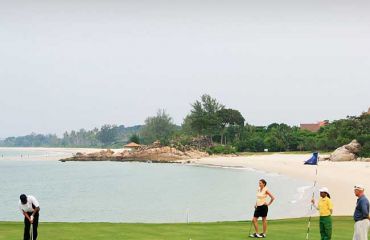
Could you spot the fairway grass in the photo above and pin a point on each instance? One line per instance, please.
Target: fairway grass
(287, 229)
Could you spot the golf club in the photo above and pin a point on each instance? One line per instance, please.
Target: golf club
(188, 219)
(31, 231)
(250, 228)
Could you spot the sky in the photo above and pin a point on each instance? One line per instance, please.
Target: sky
(66, 65)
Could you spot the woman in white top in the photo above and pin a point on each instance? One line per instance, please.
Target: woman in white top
(261, 208)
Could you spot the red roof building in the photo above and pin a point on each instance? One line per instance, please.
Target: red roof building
(313, 127)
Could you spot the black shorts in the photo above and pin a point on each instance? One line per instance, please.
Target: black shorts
(261, 211)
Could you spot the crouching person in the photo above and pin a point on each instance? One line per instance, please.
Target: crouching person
(30, 209)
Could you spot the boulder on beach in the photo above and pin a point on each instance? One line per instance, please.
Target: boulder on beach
(347, 152)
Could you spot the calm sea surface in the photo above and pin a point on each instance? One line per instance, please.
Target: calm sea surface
(138, 192)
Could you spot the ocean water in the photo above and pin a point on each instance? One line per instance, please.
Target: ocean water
(35, 153)
(141, 192)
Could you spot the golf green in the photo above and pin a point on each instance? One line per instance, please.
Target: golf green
(286, 229)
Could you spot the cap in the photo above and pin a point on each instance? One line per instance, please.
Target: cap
(324, 189)
(359, 187)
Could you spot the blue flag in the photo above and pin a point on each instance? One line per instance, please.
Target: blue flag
(313, 160)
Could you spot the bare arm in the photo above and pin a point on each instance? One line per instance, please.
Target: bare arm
(272, 198)
(26, 216)
(37, 209)
(313, 204)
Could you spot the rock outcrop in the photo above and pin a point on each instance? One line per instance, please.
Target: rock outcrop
(158, 154)
(96, 156)
(151, 153)
(346, 153)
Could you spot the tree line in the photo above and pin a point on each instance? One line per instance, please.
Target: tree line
(225, 128)
(107, 136)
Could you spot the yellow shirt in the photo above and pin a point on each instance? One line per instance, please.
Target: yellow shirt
(261, 196)
(325, 206)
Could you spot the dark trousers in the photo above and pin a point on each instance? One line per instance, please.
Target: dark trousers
(27, 226)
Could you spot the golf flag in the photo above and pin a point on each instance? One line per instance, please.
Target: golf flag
(313, 160)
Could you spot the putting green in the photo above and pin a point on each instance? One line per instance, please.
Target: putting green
(287, 229)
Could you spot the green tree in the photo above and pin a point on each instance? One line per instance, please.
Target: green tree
(159, 127)
(203, 117)
(230, 118)
(107, 134)
(186, 126)
(281, 137)
(134, 138)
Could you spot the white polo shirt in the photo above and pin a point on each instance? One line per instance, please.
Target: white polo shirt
(28, 206)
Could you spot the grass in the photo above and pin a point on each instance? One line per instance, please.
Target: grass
(287, 229)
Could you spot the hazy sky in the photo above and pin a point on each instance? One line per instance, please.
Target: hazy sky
(79, 64)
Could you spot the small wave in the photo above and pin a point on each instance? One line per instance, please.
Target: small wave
(303, 189)
(300, 194)
(225, 167)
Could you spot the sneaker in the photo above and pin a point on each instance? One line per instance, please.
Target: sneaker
(263, 235)
(255, 235)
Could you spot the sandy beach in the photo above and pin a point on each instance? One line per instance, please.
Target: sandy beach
(339, 177)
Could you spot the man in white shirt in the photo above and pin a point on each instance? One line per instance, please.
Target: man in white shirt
(30, 208)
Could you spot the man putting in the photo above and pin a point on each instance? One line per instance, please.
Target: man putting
(30, 208)
(361, 214)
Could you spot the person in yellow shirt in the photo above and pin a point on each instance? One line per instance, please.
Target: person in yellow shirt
(261, 208)
(325, 207)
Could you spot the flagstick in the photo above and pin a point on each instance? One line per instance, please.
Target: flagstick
(313, 195)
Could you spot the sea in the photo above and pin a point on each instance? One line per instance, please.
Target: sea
(139, 192)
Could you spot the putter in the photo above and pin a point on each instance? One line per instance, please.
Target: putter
(188, 219)
(31, 230)
(250, 228)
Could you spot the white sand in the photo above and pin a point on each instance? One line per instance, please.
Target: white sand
(339, 177)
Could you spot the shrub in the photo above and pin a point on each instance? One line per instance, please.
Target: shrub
(364, 140)
(221, 149)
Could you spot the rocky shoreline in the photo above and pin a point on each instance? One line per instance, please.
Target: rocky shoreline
(156, 153)
(151, 154)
